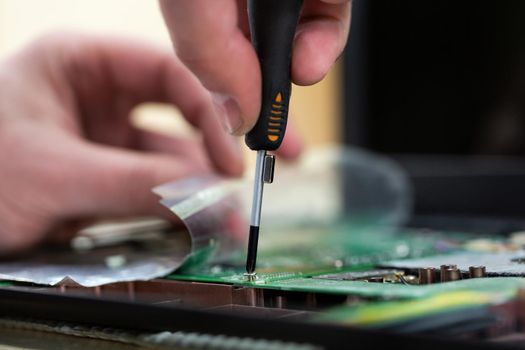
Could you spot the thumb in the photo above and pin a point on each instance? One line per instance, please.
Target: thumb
(112, 181)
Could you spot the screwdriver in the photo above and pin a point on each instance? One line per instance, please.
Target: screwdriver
(272, 27)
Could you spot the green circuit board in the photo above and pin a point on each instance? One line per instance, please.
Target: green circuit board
(343, 262)
(302, 258)
(311, 251)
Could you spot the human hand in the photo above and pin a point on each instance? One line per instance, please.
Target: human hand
(212, 38)
(67, 149)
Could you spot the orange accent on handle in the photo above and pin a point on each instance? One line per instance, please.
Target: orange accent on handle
(275, 116)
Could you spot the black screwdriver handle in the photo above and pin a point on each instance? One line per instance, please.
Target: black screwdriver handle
(272, 27)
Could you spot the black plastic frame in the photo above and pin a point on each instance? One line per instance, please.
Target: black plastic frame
(155, 318)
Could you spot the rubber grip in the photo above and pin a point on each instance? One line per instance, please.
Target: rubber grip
(272, 26)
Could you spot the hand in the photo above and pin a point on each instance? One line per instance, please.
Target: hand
(67, 148)
(212, 38)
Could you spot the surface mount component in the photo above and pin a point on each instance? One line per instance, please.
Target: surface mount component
(450, 274)
(476, 271)
(360, 275)
(427, 275)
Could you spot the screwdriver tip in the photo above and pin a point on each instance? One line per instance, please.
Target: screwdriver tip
(251, 259)
(251, 277)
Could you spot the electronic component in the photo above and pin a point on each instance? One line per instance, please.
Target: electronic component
(450, 273)
(367, 290)
(503, 263)
(369, 275)
(426, 275)
(476, 271)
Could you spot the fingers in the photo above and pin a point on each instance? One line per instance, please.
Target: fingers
(182, 89)
(291, 147)
(321, 37)
(189, 148)
(209, 41)
(57, 177)
(139, 73)
(216, 49)
(113, 182)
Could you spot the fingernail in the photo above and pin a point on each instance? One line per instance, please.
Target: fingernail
(229, 112)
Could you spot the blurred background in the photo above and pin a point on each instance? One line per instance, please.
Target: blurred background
(437, 85)
(440, 86)
(316, 110)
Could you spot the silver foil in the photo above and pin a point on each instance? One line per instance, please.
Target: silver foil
(114, 255)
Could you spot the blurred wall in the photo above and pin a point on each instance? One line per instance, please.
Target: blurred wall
(316, 110)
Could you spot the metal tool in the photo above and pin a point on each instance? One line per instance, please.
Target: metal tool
(272, 27)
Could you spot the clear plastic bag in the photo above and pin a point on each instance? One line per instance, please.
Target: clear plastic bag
(324, 188)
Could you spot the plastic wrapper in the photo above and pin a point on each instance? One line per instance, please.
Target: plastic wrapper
(307, 200)
(327, 190)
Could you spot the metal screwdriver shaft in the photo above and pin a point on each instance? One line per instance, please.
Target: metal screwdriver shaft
(255, 219)
(264, 169)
